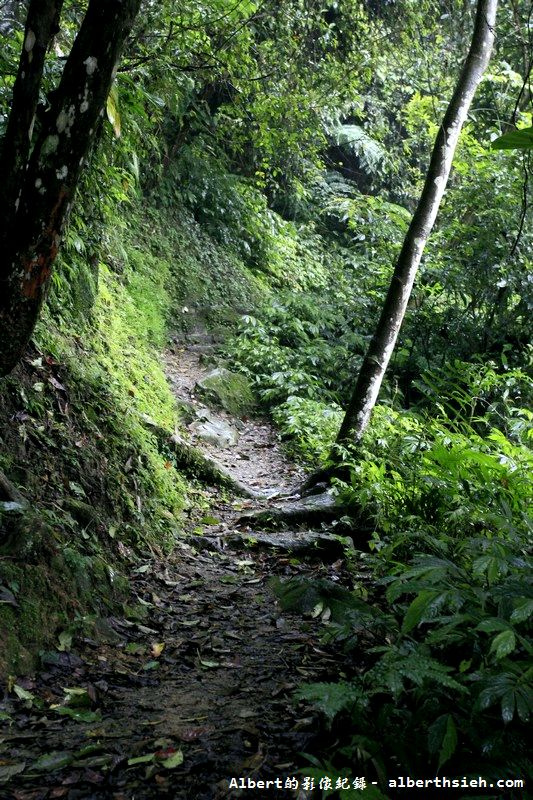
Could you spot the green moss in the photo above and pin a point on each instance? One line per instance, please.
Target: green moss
(31, 624)
(93, 472)
(229, 390)
(50, 595)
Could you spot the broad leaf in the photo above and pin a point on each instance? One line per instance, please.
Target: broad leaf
(449, 742)
(418, 608)
(514, 140)
(503, 644)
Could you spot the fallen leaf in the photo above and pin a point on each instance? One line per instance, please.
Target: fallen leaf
(30, 794)
(76, 697)
(78, 714)
(52, 761)
(144, 629)
(190, 734)
(10, 770)
(157, 649)
(174, 761)
(65, 642)
(135, 648)
(209, 664)
(56, 384)
(246, 713)
(59, 791)
(7, 597)
(23, 694)
(141, 760)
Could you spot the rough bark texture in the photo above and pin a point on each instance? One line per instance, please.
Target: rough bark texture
(52, 171)
(382, 345)
(41, 25)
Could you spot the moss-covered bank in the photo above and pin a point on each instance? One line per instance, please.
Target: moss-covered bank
(99, 487)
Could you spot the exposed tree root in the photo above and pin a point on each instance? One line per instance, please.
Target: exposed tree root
(194, 464)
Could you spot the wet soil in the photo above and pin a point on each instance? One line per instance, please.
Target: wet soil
(193, 685)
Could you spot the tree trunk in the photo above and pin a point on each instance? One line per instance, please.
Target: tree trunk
(382, 344)
(42, 23)
(46, 184)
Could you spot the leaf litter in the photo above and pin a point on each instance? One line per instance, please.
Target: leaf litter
(196, 693)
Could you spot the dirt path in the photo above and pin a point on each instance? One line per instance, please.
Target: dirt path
(256, 459)
(192, 686)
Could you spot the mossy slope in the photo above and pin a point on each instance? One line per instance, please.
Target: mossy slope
(73, 438)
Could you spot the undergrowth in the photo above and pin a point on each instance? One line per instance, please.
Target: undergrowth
(441, 641)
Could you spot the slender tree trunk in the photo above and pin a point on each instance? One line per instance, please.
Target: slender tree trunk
(382, 344)
(46, 182)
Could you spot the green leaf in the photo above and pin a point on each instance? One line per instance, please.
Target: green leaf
(503, 644)
(65, 642)
(492, 624)
(77, 697)
(150, 665)
(514, 140)
(78, 714)
(418, 608)
(449, 742)
(508, 706)
(52, 761)
(173, 761)
(141, 759)
(23, 694)
(209, 520)
(332, 698)
(112, 110)
(135, 648)
(523, 611)
(524, 703)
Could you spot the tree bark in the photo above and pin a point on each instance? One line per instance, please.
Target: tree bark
(46, 186)
(383, 341)
(42, 23)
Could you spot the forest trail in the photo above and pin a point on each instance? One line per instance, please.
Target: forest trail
(192, 686)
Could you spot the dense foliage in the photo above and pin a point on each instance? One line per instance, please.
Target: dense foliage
(442, 638)
(258, 166)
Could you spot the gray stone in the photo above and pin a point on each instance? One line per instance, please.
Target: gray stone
(215, 431)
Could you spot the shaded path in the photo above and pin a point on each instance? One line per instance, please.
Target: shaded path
(193, 685)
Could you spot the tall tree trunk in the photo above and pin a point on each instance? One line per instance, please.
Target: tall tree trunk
(42, 23)
(382, 344)
(46, 186)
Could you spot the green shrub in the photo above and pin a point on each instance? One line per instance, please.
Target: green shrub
(442, 650)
